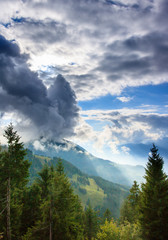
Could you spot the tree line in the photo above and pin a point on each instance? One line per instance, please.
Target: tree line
(49, 209)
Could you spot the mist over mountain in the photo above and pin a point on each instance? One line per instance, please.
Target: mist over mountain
(79, 157)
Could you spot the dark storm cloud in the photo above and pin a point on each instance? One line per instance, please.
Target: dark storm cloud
(53, 112)
(135, 6)
(82, 80)
(8, 48)
(61, 95)
(137, 56)
(116, 66)
(115, 3)
(154, 120)
(155, 44)
(162, 17)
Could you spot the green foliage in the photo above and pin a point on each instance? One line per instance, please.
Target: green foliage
(96, 197)
(127, 231)
(37, 164)
(44, 180)
(154, 200)
(126, 213)
(134, 194)
(31, 213)
(130, 231)
(109, 231)
(83, 180)
(82, 190)
(60, 167)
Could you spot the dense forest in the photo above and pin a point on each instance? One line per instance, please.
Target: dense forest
(45, 205)
(102, 194)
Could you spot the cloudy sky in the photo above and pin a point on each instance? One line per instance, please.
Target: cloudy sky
(91, 71)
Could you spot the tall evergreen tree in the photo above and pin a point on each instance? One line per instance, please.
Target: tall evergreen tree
(107, 215)
(91, 223)
(134, 194)
(13, 174)
(129, 209)
(154, 200)
(60, 210)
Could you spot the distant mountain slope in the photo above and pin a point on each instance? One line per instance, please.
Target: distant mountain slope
(100, 193)
(87, 163)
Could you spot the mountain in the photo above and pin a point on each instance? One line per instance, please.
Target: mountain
(101, 193)
(87, 163)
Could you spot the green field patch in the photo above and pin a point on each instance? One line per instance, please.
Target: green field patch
(42, 158)
(91, 192)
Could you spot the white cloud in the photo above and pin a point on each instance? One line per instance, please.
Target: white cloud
(124, 99)
(125, 149)
(126, 126)
(113, 147)
(38, 146)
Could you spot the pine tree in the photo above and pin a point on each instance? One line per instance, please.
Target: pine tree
(13, 173)
(60, 167)
(44, 180)
(134, 194)
(107, 215)
(129, 209)
(154, 200)
(91, 223)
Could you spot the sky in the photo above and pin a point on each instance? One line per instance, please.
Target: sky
(94, 72)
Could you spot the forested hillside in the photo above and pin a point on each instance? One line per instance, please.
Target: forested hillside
(101, 193)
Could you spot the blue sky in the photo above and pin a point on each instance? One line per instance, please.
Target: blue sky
(137, 96)
(93, 72)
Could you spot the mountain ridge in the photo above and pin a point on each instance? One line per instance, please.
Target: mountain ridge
(102, 194)
(87, 163)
